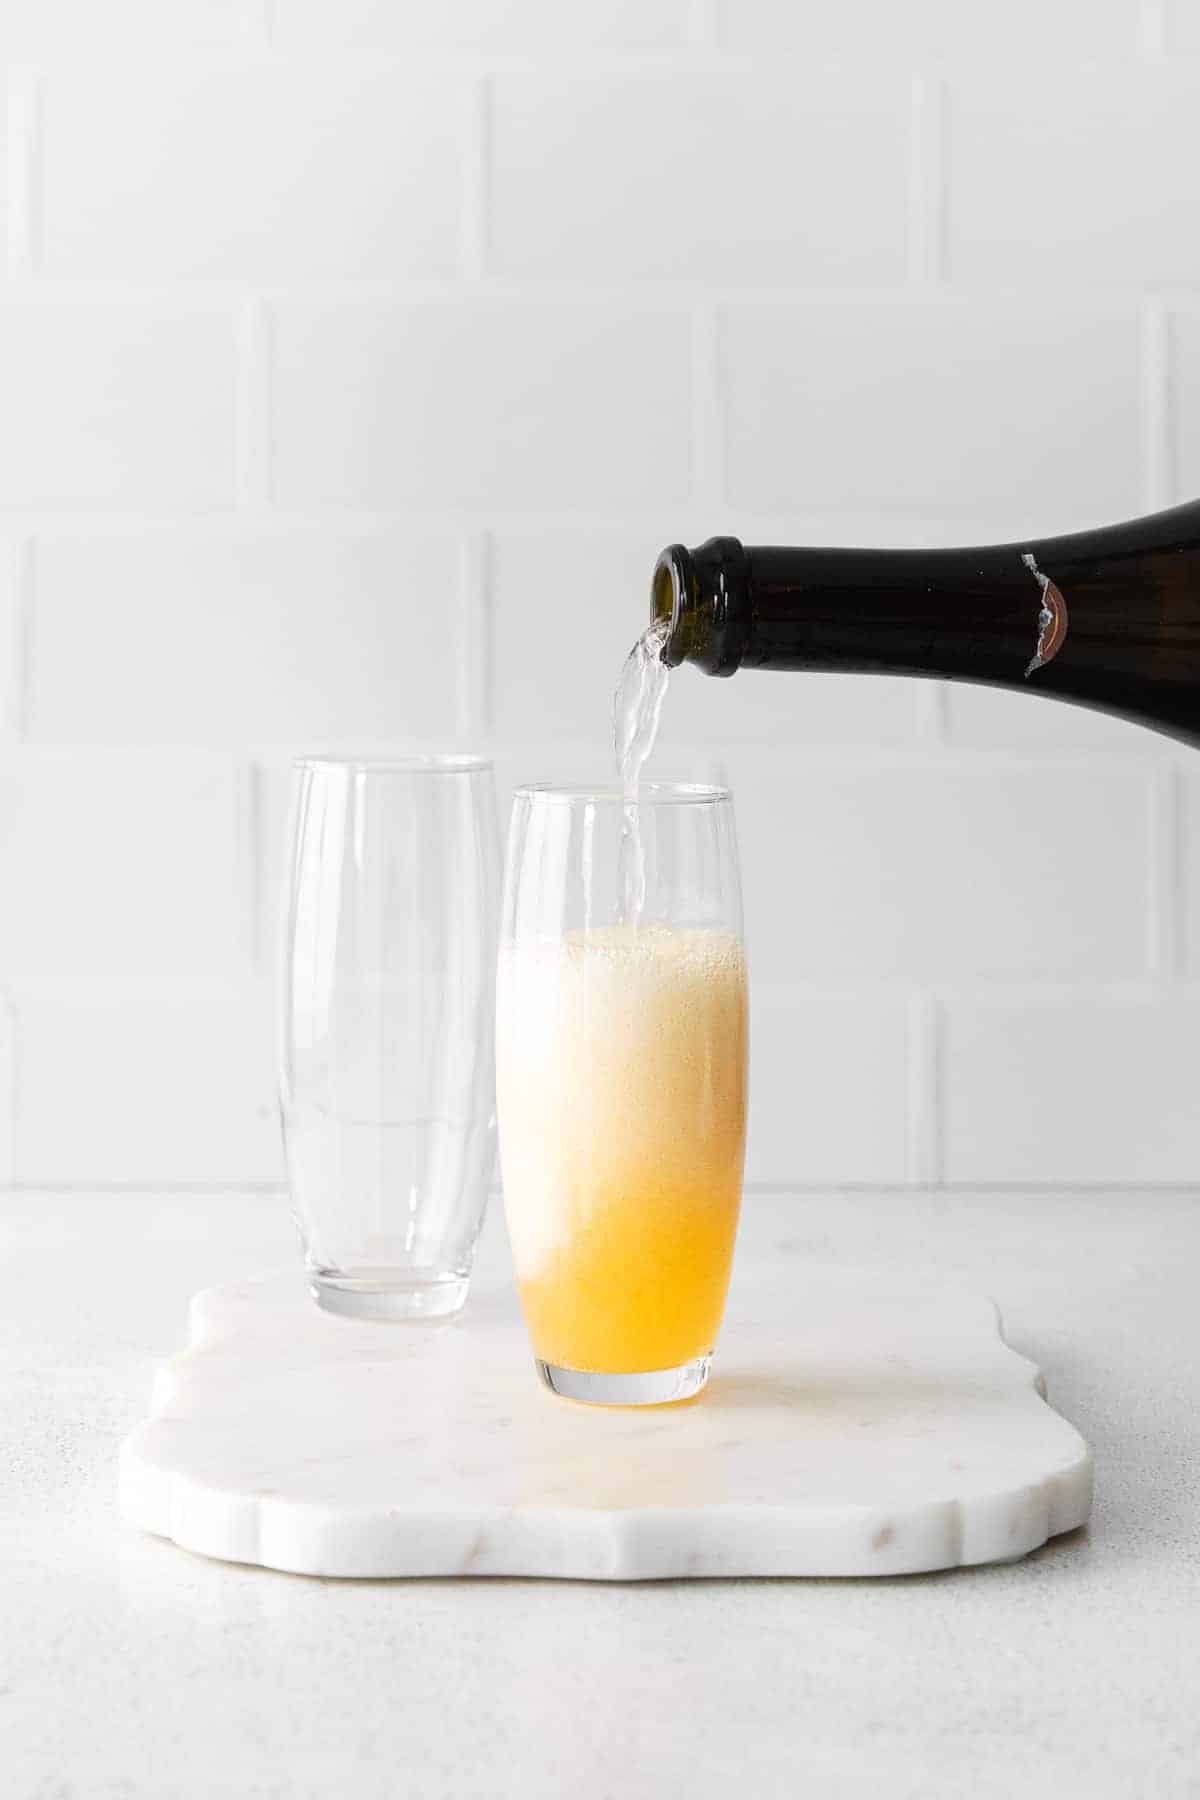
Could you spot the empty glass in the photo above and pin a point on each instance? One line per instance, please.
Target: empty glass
(386, 1067)
(621, 1081)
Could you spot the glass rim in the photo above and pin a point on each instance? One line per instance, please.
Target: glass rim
(650, 793)
(431, 763)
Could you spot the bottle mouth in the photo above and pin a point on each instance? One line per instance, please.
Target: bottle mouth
(670, 597)
(702, 596)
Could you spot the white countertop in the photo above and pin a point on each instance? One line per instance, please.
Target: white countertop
(130, 1668)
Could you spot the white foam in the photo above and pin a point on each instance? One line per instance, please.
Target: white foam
(612, 1049)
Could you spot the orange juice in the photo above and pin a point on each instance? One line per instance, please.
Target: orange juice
(621, 1085)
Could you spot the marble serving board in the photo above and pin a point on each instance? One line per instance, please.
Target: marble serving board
(852, 1426)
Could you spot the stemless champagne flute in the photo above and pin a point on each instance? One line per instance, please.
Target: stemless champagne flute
(386, 1066)
(621, 1084)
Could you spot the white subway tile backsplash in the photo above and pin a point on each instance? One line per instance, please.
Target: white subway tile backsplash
(11, 175)
(932, 870)
(81, 29)
(119, 862)
(935, 406)
(150, 1082)
(19, 151)
(116, 404)
(355, 362)
(1005, 718)
(871, 32)
(1092, 189)
(13, 565)
(1072, 1087)
(723, 177)
(498, 25)
(763, 707)
(566, 608)
(828, 1083)
(262, 635)
(469, 403)
(267, 171)
(9, 1064)
(1189, 859)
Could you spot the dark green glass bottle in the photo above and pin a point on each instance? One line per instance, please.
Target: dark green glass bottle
(1107, 618)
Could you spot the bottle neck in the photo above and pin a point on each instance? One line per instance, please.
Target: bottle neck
(975, 614)
(1080, 616)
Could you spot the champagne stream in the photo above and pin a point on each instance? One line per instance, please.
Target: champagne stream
(637, 708)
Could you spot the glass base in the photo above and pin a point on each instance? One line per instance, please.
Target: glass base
(356, 1297)
(654, 1387)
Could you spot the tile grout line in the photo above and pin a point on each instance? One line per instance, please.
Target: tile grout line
(475, 132)
(1165, 911)
(23, 139)
(252, 408)
(1155, 391)
(926, 1148)
(928, 255)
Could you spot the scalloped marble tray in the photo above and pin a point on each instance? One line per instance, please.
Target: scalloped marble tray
(851, 1427)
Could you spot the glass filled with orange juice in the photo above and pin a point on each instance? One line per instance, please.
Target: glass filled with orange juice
(621, 1043)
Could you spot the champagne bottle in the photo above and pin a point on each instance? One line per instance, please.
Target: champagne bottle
(1107, 618)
